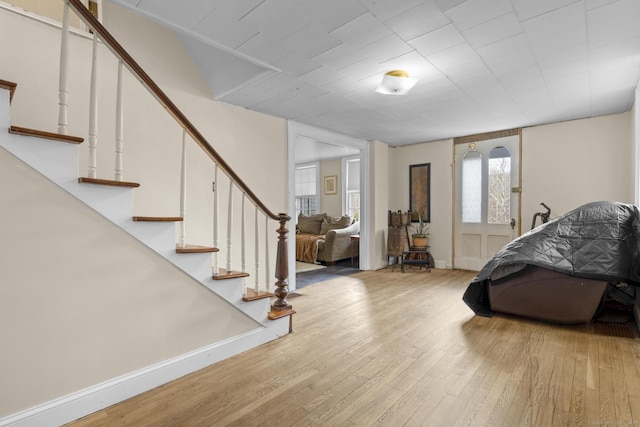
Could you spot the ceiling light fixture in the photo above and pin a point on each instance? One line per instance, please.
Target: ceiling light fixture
(396, 82)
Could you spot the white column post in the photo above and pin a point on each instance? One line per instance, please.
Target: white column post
(93, 112)
(63, 86)
(119, 125)
(183, 190)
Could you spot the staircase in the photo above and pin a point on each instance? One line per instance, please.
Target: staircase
(55, 156)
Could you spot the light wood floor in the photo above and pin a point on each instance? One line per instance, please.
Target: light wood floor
(388, 349)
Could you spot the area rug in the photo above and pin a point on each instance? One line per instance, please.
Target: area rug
(305, 266)
(310, 277)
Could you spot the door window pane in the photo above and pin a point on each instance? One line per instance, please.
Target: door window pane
(499, 191)
(471, 187)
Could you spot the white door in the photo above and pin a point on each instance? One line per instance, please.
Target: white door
(487, 201)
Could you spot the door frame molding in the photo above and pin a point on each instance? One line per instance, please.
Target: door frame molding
(476, 138)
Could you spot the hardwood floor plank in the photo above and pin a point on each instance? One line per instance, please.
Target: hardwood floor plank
(389, 348)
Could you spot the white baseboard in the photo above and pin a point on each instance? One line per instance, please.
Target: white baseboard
(90, 400)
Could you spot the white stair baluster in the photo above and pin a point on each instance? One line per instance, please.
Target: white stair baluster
(267, 283)
(243, 257)
(63, 86)
(215, 268)
(119, 125)
(93, 112)
(183, 191)
(229, 224)
(257, 251)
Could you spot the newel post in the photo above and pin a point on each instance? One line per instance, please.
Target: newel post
(282, 267)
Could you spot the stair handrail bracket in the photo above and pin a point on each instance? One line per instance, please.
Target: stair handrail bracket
(282, 269)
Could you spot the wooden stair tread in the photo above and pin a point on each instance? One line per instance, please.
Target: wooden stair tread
(10, 86)
(225, 274)
(195, 249)
(158, 218)
(252, 295)
(17, 130)
(110, 182)
(277, 314)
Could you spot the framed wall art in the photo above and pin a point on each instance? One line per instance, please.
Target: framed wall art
(331, 184)
(420, 192)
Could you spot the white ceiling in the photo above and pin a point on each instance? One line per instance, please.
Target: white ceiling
(483, 65)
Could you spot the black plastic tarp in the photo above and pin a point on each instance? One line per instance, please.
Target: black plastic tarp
(598, 241)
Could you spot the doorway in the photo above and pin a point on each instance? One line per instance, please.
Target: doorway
(302, 140)
(487, 199)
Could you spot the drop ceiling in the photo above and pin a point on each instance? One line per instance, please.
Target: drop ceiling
(482, 65)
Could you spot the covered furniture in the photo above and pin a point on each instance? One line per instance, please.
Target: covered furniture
(559, 271)
(322, 238)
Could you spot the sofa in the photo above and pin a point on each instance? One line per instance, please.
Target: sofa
(322, 238)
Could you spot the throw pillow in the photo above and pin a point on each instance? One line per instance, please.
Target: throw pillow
(310, 224)
(335, 223)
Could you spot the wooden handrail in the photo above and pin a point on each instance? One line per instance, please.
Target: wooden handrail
(155, 90)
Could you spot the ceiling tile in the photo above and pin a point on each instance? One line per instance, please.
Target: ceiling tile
(525, 79)
(494, 30)
(594, 4)
(339, 57)
(508, 54)
(437, 40)
(330, 14)
(614, 34)
(274, 19)
(527, 9)
(422, 19)
(296, 64)
(225, 31)
(475, 12)
(557, 20)
(387, 9)
(321, 76)
(385, 49)
(613, 14)
(622, 55)
(361, 31)
(310, 41)
(263, 48)
(363, 69)
(186, 15)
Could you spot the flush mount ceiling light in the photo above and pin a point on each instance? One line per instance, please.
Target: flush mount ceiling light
(396, 82)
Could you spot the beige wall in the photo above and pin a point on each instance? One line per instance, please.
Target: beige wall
(49, 9)
(380, 190)
(82, 302)
(120, 326)
(439, 154)
(253, 144)
(331, 203)
(564, 165)
(571, 163)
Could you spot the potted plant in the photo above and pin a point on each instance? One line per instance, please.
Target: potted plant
(420, 237)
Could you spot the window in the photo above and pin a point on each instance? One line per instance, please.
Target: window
(472, 187)
(499, 191)
(351, 167)
(307, 189)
